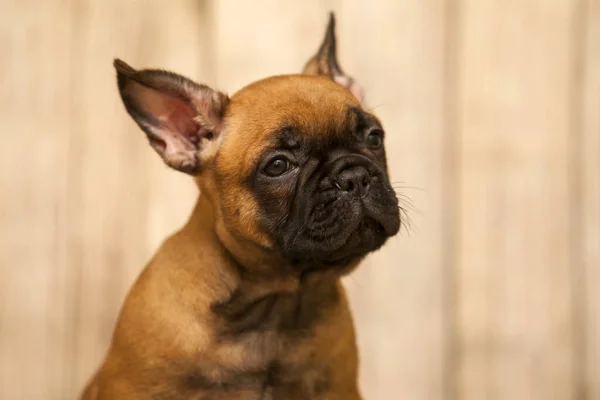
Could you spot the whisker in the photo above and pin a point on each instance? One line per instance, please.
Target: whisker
(408, 203)
(403, 185)
(371, 109)
(409, 187)
(410, 207)
(404, 197)
(407, 222)
(355, 281)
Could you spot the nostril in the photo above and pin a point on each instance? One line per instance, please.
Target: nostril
(345, 185)
(365, 180)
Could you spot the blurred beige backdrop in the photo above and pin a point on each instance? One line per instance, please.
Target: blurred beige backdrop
(492, 109)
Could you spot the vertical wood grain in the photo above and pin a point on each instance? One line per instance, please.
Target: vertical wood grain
(108, 181)
(84, 201)
(514, 281)
(590, 196)
(34, 126)
(257, 39)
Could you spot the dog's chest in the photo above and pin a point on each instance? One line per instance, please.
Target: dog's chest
(287, 315)
(270, 346)
(277, 381)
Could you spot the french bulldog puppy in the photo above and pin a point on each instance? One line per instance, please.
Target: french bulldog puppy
(245, 301)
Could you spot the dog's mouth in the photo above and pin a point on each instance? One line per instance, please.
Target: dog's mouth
(342, 231)
(335, 217)
(360, 241)
(343, 249)
(343, 212)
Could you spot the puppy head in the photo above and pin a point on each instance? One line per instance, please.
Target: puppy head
(293, 165)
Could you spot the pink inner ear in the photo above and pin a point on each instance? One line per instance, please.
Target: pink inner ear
(174, 114)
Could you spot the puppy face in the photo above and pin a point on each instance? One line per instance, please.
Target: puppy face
(310, 164)
(293, 165)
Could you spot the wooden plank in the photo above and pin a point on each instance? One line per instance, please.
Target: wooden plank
(125, 200)
(590, 207)
(104, 156)
(84, 201)
(396, 294)
(514, 283)
(35, 104)
(257, 39)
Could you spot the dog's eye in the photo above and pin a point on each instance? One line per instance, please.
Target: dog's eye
(277, 166)
(375, 139)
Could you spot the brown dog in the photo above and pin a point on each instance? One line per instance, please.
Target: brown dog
(245, 301)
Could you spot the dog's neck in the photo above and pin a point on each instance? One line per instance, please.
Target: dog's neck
(251, 259)
(250, 294)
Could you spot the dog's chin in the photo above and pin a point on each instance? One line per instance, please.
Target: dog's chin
(343, 250)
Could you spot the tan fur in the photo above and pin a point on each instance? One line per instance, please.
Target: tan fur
(313, 103)
(167, 328)
(218, 313)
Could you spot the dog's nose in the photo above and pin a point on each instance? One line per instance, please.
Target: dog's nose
(353, 179)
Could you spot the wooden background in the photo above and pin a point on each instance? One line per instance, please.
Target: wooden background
(492, 110)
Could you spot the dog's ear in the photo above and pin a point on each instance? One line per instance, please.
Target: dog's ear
(182, 119)
(325, 62)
